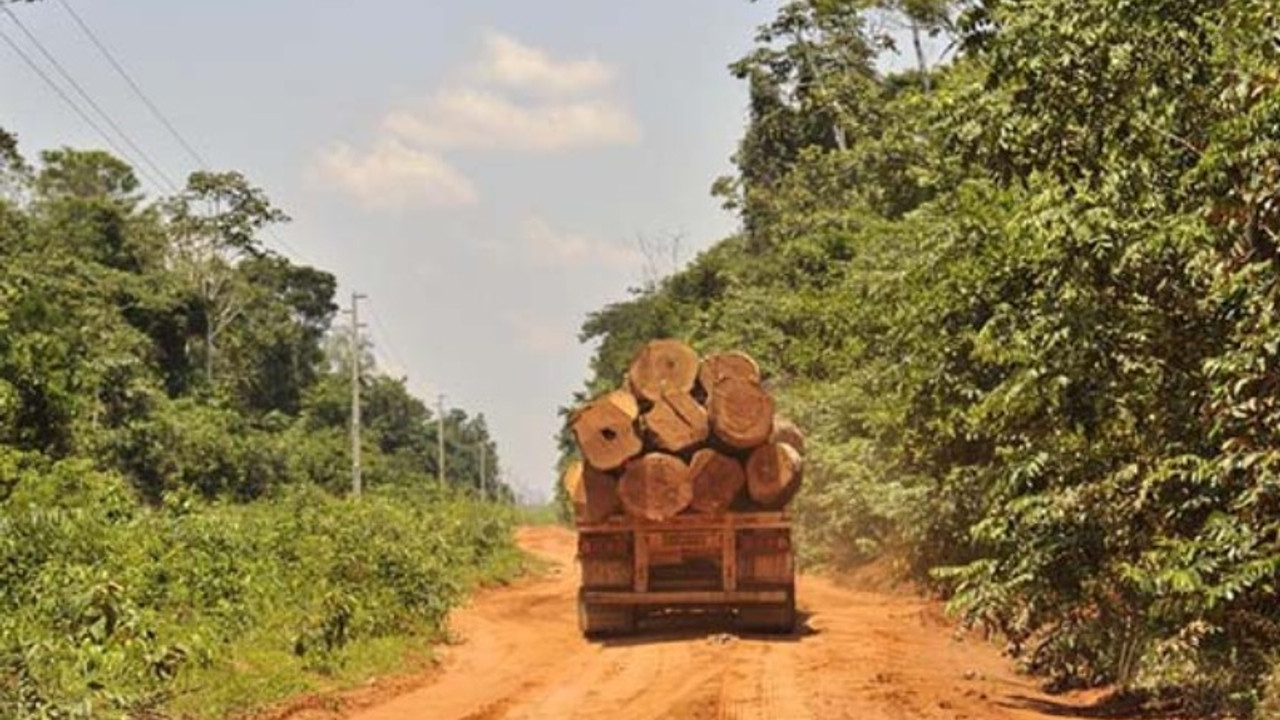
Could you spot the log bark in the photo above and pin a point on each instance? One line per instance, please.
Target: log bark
(773, 475)
(676, 422)
(720, 366)
(606, 430)
(655, 487)
(785, 431)
(601, 495)
(575, 488)
(741, 413)
(663, 366)
(717, 480)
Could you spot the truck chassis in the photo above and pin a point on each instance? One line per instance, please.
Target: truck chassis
(742, 563)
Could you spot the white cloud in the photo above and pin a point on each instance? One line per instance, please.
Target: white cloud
(510, 63)
(520, 99)
(479, 119)
(548, 246)
(393, 175)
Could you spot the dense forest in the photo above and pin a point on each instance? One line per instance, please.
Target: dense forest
(1025, 304)
(175, 534)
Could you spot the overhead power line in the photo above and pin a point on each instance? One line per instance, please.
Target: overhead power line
(75, 107)
(137, 89)
(142, 96)
(386, 335)
(87, 98)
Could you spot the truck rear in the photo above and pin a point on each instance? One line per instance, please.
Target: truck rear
(739, 564)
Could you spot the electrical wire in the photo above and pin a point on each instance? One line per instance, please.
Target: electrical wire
(386, 335)
(137, 89)
(89, 99)
(141, 95)
(71, 103)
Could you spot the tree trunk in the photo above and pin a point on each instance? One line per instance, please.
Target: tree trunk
(677, 422)
(606, 430)
(785, 431)
(717, 480)
(773, 475)
(601, 490)
(727, 365)
(575, 488)
(655, 487)
(663, 366)
(921, 63)
(741, 413)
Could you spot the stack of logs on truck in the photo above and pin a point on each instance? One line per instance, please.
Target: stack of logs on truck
(686, 466)
(685, 436)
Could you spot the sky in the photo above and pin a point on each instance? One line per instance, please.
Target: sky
(486, 172)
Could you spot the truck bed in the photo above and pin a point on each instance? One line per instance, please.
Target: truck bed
(741, 562)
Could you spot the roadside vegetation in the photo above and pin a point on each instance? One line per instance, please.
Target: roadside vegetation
(176, 537)
(1025, 305)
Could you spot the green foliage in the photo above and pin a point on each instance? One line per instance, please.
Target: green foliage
(109, 608)
(1025, 308)
(174, 446)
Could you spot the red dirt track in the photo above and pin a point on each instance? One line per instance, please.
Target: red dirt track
(860, 655)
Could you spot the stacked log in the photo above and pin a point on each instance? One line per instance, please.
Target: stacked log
(683, 436)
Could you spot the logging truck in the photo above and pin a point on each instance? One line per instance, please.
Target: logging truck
(736, 563)
(680, 494)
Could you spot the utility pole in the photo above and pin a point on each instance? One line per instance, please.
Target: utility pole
(484, 481)
(356, 485)
(440, 436)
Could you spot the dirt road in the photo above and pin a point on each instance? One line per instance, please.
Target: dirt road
(861, 655)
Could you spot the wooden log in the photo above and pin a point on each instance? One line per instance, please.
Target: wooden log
(606, 430)
(741, 413)
(655, 487)
(575, 488)
(717, 480)
(601, 495)
(676, 423)
(785, 431)
(733, 364)
(773, 475)
(663, 366)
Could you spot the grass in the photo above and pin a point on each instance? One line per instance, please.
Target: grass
(539, 515)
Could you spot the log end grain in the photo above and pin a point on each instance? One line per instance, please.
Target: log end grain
(655, 487)
(606, 434)
(676, 423)
(663, 366)
(721, 366)
(717, 481)
(774, 473)
(741, 413)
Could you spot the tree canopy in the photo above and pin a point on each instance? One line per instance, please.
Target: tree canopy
(1025, 303)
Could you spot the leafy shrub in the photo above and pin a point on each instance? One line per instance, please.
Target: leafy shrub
(108, 607)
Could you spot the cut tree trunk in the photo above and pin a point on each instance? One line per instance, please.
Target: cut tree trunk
(741, 413)
(727, 365)
(773, 475)
(663, 366)
(601, 495)
(717, 480)
(785, 431)
(575, 489)
(606, 430)
(655, 487)
(677, 422)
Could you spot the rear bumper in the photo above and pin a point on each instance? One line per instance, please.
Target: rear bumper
(685, 597)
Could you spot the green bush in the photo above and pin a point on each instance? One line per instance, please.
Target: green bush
(108, 608)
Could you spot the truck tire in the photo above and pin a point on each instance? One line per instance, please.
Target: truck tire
(596, 620)
(772, 618)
